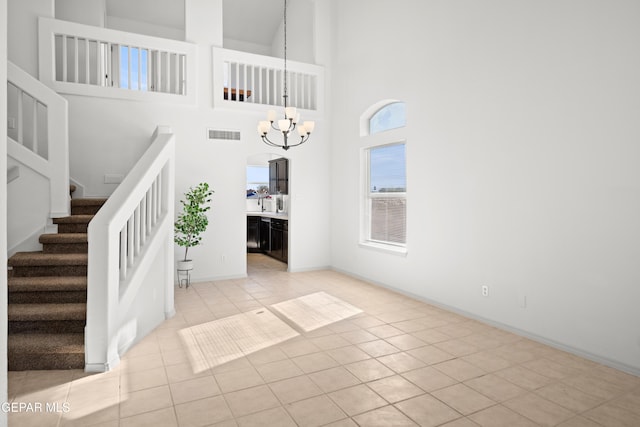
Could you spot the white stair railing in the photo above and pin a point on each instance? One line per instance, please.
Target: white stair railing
(132, 231)
(94, 61)
(38, 134)
(242, 78)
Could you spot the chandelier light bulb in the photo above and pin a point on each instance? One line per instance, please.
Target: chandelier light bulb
(290, 112)
(309, 126)
(284, 125)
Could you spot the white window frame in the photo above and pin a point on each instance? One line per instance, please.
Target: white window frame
(392, 137)
(369, 141)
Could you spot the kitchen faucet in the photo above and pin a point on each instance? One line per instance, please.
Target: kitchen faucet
(261, 197)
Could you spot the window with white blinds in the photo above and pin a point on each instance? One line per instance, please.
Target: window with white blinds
(384, 175)
(386, 204)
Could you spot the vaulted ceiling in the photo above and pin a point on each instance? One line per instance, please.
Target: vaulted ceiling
(252, 21)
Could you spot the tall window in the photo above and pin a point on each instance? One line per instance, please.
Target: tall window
(385, 196)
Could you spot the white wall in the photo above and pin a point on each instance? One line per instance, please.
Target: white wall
(522, 160)
(88, 12)
(140, 27)
(3, 209)
(23, 31)
(300, 33)
(28, 215)
(258, 49)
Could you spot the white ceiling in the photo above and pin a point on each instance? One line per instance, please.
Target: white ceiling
(253, 21)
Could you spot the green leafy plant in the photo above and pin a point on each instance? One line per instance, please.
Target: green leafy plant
(193, 221)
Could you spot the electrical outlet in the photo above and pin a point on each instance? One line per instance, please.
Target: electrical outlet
(485, 291)
(223, 258)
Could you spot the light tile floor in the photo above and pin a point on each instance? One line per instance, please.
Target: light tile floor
(399, 363)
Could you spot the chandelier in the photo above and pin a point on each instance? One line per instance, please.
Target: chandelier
(288, 125)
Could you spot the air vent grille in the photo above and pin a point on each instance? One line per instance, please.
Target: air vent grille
(227, 135)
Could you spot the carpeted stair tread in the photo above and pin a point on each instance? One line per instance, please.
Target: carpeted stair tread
(47, 284)
(45, 351)
(26, 259)
(63, 238)
(45, 312)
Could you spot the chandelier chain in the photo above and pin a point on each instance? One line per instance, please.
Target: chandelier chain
(285, 54)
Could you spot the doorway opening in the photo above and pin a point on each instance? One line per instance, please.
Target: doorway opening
(267, 212)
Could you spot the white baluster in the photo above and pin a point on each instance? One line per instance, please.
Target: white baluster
(20, 117)
(136, 230)
(87, 68)
(64, 58)
(149, 206)
(76, 60)
(159, 180)
(183, 62)
(34, 116)
(143, 220)
(260, 85)
(167, 65)
(130, 238)
(244, 84)
(123, 253)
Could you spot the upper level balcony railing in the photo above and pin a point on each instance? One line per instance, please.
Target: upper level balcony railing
(86, 60)
(241, 79)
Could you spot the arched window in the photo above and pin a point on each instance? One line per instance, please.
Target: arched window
(384, 201)
(390, 116)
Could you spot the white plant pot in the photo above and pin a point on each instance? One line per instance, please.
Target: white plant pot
(185, 265)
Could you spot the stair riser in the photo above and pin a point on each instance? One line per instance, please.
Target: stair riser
(22, 362)
(72, 228)
(65, 248)
(84, 210)
(47, 297)
(49, 270)
(47, 327)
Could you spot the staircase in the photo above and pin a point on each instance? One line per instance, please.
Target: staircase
(47, 293)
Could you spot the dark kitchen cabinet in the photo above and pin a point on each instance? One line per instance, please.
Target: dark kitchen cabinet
(253, 234)
(280, 239)
(279, 176)
(265, 235)
(269, 236)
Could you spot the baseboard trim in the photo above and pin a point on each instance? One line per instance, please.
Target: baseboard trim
(214, 279)
(525, 334)
(307, 269)
(102, 367)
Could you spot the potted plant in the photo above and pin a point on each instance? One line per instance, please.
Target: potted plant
(193, 221)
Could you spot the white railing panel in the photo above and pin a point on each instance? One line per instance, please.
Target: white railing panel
(40, 138)
(246, 80)
(119, 255)
(93, 61)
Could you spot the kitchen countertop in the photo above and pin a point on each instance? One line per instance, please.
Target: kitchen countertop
(269, 215)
